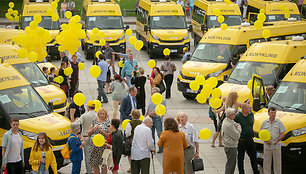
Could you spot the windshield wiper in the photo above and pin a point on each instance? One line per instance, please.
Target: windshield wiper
(196, 58)
(235, 80)
(278, 105)
(22, 113)
(298, 109)
(209, 60)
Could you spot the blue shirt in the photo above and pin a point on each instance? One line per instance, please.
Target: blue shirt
(125, 56)
(74, 144)
(128, 68)
(152, 106)
(104, 68)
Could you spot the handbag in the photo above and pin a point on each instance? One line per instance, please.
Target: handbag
(197, 164)
(161, 87)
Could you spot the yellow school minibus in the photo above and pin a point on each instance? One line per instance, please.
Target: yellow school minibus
(219, 50)
(289, 100)
(6, 35)
(272, 10)
(19, 99)
(106, 16)
(270, 60)
(161, 24)
(33, 7)
(36, 78)
(203, 17)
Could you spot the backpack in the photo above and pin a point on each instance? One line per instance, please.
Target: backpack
(65, 151)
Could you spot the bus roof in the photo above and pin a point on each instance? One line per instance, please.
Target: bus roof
(10, 77)
(37, 8)
(6, 35)
(281, 52)
(273, 7)
(297, 73)
(103, 9)
(8, 54)
(162, 8)
(231, 9)
(238, 35)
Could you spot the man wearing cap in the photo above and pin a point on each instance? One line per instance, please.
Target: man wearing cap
(187, 55)
(270, 90)
(85, 120)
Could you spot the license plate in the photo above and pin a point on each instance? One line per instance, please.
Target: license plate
(191, 91)
(173, 51)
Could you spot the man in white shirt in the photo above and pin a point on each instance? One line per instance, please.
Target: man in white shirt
(142, 145)
(191, 135)
(85, 120)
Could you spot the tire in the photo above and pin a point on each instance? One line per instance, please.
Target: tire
(151, 55)
(189, 96)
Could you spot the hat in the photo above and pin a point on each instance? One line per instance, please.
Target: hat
(91, 103)
(185, 48)
(270, 87)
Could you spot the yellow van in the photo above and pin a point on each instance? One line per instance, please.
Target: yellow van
(272, 10)
(33, 7)
(270, 60)
(218, 49)
(303, 10)
(203, 17)
(35, 76)
(6, 35)
(161, 24)
(290, 101)
(106, 16)
(19, 99)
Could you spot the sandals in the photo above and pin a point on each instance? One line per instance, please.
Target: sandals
(213, 145)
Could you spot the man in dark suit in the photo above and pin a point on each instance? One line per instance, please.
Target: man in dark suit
(128, 103)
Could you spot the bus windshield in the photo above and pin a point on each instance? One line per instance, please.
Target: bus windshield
(230, 20)
(46, 22)
(104, 22)
(290, 97)
(207, 52)
(32, 73)
(281, 17)
(244, 71)
(22, 102)
(168, 22)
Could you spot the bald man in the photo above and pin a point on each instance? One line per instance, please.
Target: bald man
(246, 144)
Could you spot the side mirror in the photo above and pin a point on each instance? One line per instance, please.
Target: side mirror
(188, 56)
(190, 28)
(145, 28)
(225, 77)
(50, 104)
(203, 27)
(256, 104)
(127, 27)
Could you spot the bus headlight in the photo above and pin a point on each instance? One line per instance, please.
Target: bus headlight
(120, 38)
(299, 132)
(215, 74)
(30, 135)
(186, 37)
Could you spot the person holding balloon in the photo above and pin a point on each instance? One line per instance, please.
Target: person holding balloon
(274, 132)
(157, 81)
(101, 126)
(75, 110)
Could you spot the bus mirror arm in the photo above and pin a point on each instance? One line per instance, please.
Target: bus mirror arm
(225, 77)
(50, 104)
(190, 28)
(146, 28)
(203, 27)
(126, 27)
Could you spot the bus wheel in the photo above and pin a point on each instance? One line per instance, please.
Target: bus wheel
(189, 96)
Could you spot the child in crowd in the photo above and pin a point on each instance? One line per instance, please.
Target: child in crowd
(52, 75)
(110, 76)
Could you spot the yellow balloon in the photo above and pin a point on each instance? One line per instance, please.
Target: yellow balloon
(205, 134)
(200, 79)
(201, 98)
(22, 53)
(227, 2)
(151, 63)
(55, 17)
(79, 99)
(223, 26)
(92, 38)
(61, 79)
(32, 56)
(54, 5)
(194, 85)
(98, 140)
(264, 135)
(56, 0)
(141, 117)
(217, 12)
(95, 71)
(206, 91)
(56, 80)
(102, 42)
(287, 15)
(132, 40)
(50, 11)
(98, 105)
(64, 27)
(216, 93)
(61, 49)
(95, 31)
(212, 82)
(220, 19)
(124, 123)
(7, 15)
(157, 98)
(215, 103)
(129, 32)
(68, 71)
(37, 18)
(249, 84)
(160, 110)
(10, 18)
(10, 11)
(98, 54)
(266, 33)
(15, 12)
(17, 18)
(68, 14)
(101, 34)
(261, 11)
(11, 4)
(258, 25)
(33, 25)
(81, 66)
(166, 52)
(261, 17)
(138, 45)
(286, 10)
(120, 63)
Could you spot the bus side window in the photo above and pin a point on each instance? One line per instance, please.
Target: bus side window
(4, 124)
(286, 69)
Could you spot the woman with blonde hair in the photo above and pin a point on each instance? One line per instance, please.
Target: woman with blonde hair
(42, 156)
(101, 125)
